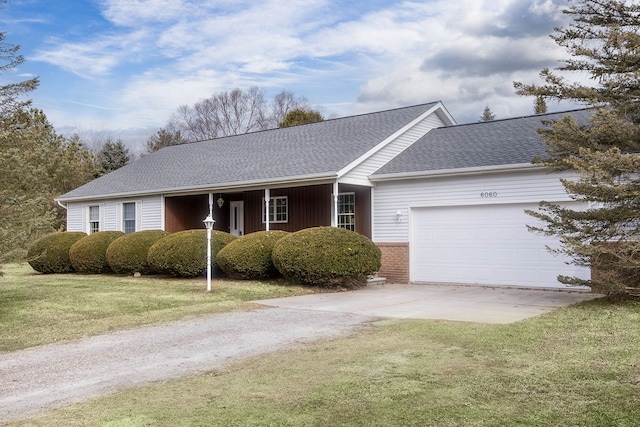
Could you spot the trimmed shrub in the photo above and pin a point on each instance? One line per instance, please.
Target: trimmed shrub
(184, 254)
(326, 256)
(89, 254)
(249, 257)
(128, 254)
(50, 254)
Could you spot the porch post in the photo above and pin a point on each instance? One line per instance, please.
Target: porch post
(211, 205)
(334, 219)
(267, 197)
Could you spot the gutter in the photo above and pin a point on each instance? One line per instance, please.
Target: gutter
(451, 172)
(62, 205)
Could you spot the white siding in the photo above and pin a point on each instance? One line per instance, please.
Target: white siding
(75, 217)
(513, 187)
(360, 174)
(151, 213)
(110, 216)
(148, 214)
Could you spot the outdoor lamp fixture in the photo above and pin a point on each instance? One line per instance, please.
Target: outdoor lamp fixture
(220, 202)
(399, 216)
(208, 223)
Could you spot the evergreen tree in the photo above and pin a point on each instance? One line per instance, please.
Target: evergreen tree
(300, 116)
(540, 105)
(487, 115)
(12, 94)
(604, 42)
(112, 156)
(164, 138)
(37, 165)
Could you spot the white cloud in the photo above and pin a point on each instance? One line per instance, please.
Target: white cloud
(95, 57)
(130, 13)
(464, 52)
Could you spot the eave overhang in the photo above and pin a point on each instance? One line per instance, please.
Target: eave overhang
(224, 187)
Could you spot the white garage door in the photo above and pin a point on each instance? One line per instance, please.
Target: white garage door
(487, 244)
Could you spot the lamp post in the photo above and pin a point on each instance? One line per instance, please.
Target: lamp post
(208, 223)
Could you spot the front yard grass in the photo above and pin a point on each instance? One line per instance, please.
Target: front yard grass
(44, 308)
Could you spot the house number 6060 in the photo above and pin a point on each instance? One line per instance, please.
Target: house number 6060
(488, 194)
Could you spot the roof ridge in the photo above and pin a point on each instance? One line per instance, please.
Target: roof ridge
(333, 119)
(517, 118)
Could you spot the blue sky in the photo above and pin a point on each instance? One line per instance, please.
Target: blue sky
(120, 68)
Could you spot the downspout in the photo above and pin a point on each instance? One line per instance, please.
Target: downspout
(267, 200)
(62, 205)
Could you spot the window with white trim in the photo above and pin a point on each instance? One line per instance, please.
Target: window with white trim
(94, 219)
(347, 211)
(129, 217)
(278, 209)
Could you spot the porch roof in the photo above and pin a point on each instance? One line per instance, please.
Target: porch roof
(303, 153)
(494, 145)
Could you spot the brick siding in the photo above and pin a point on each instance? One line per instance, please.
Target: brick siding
(395, 261)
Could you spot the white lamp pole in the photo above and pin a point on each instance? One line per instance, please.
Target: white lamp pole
(208, 223)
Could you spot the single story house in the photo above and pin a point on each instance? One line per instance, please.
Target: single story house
(444, 202)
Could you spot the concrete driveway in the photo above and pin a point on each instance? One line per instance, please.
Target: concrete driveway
(448, 302)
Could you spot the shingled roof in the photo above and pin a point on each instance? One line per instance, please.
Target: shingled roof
(313, 151)
(486, 144)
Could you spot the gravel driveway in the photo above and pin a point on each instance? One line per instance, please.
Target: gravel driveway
(56, 375)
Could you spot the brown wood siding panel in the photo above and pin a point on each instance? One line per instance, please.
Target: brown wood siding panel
(308, 207)
(363, 207)
(252, 211)
(185, 212)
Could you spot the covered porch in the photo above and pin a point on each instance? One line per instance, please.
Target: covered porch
(289, 209)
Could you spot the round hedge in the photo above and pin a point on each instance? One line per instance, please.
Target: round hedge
(326, 256)
(50, 254)
(249, 257)
(184, 254)
(128, 254)
(89, 254)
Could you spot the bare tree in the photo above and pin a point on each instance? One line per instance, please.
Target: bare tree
(285, 102)
(233, 113)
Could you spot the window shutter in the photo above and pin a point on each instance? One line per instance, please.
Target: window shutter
(119, 208)
(138, 215)
(85, 218)
(103, 208)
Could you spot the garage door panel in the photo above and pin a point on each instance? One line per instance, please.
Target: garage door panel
(487, 244)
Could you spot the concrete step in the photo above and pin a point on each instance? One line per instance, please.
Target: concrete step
(376, 281)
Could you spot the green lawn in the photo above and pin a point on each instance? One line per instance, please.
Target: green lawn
(43, 308)
(576, 366)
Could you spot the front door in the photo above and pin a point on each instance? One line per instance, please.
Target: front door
(237, 218)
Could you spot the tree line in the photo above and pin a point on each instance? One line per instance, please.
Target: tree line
(38, 165)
